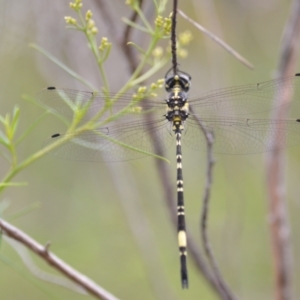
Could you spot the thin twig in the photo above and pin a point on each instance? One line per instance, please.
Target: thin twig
(173, 37)
(58, 264)
(279, 224)
(209, 137)
(217, 40)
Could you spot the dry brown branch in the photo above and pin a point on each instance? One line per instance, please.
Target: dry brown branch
(58, 264)
(217, 40)
(279, 224)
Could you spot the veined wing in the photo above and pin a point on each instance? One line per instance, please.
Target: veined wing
(242, 136)
(120, 142)
(66, 102)
(246, 99)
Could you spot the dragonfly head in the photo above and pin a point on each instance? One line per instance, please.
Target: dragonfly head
(180, 80)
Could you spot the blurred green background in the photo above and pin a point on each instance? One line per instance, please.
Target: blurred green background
(110, 221)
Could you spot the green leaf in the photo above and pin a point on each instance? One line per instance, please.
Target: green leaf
(141, 50)
(134, 25)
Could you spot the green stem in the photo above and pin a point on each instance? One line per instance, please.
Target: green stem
(95, 51)
(135, 79)
(93, 45)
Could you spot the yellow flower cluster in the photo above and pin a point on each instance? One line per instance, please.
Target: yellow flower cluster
(144, 91)
(167, 25)
(91, 27)
(70, 20)
(154, 86)
(104, 44)
(88, 15)
(77, 5)
(140, 94)
(158, 84)
(159, 21)
(164, 24)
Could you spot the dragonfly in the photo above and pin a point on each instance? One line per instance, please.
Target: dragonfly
(232, 114)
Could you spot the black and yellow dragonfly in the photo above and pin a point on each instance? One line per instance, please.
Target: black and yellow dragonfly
(235, 116)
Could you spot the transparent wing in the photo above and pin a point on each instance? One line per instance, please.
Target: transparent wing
(242, 136)
(241, 100)
(66, 101)
(121, 142)
(246, 99)
(218, 110)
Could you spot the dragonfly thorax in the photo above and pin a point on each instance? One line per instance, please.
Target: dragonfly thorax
(177, 108)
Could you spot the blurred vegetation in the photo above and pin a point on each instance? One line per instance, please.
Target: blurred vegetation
(109, 221)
